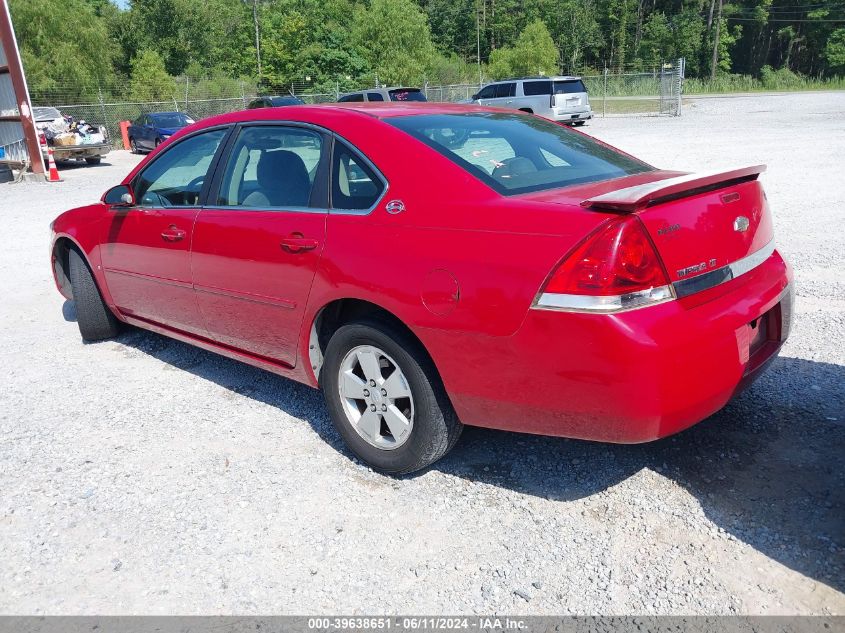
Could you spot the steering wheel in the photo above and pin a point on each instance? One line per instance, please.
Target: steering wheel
(194, 187)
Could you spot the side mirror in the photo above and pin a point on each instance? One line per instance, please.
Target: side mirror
(119, 196)
(475, 97)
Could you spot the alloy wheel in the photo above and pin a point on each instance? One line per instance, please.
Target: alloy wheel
(376, 397)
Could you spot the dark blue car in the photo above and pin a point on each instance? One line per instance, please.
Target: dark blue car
(148, 130)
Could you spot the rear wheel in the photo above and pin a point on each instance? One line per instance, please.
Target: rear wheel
(96, 322)
(386, 399)
(93, 160)
(133, 146)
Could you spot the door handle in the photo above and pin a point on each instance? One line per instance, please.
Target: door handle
(298, 243)
(173, 234)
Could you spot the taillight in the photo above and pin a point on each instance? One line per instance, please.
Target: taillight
(616, 268)
(42, 139)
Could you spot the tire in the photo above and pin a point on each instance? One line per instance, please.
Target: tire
(434, 427)
(133, 146)
(93, 160)
(158, 142)
(579, 123)
(96, 322)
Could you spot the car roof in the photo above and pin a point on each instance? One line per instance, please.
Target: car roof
(160, 113)
(540, 77)
(374, 110)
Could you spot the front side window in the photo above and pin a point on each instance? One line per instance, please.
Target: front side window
(271, 167)
(175, 178)
(354, 185)
(516, 154)
(488, 92)
(375, 96)
(352, 98)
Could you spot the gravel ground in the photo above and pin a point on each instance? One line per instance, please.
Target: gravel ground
(142, 475)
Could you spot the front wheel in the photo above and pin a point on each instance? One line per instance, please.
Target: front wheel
(93, 160)
(386, 399)
(96, 322)
(133, 146)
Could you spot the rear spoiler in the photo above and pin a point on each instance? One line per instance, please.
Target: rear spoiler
(632, 199)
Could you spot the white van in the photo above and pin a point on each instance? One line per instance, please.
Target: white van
(562, 99)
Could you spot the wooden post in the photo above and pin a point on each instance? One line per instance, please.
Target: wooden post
(14, 68)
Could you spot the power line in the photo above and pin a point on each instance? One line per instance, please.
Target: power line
(819, 21)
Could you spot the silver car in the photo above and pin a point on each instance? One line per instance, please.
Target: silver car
(562, 99)
(384, 94)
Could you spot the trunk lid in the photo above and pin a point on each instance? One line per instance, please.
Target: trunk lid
(698, 222)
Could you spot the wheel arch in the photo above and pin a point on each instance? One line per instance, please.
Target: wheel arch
(339, 312)
(61, 263)
(528, 110)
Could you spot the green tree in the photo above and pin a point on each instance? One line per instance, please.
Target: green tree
(65, 61)
(834, 51)
(395, 39)
(533, 53)
(149, 80)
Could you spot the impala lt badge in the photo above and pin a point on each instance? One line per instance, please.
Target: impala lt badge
(741, 224)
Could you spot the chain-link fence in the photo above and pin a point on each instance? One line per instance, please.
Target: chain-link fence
(612, 93)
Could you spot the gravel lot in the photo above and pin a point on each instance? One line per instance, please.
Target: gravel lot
(142, 475)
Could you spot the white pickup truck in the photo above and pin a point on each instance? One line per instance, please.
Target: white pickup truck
(48, 121)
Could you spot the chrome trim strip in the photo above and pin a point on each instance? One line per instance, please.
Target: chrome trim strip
(713, 278)
(603, 304)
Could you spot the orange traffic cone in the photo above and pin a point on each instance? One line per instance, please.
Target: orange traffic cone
(53, 175)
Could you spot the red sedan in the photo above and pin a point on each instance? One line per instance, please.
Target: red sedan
(431, 265)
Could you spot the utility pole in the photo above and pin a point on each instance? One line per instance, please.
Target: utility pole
(257, 38)
(478, 42)
(715, 61)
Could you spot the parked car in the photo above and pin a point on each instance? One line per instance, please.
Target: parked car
(69, 139)
(561, 99)
(439, 265)
(384, 94)
(150, 130)
(274, 102)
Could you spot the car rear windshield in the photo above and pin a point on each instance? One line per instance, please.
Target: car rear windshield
(568, 86)
(406, 94)
(46, 114)
(515, 153)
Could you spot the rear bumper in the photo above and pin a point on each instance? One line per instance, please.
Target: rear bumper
(77, 151)
(572, 117)
(634, 376)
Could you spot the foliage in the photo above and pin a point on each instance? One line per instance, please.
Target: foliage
(834, 52)
(149, 80)
(395, 39)
(80, 50)
(65, 60)
(533, 53)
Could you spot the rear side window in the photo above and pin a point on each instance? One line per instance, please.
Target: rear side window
(254, 105)
(533, 88)
(569, 86)
(351, 98)
(515, 154)
(505, 90)
(355, 186)
(375, 96)
(271, 167)
(406, 94)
